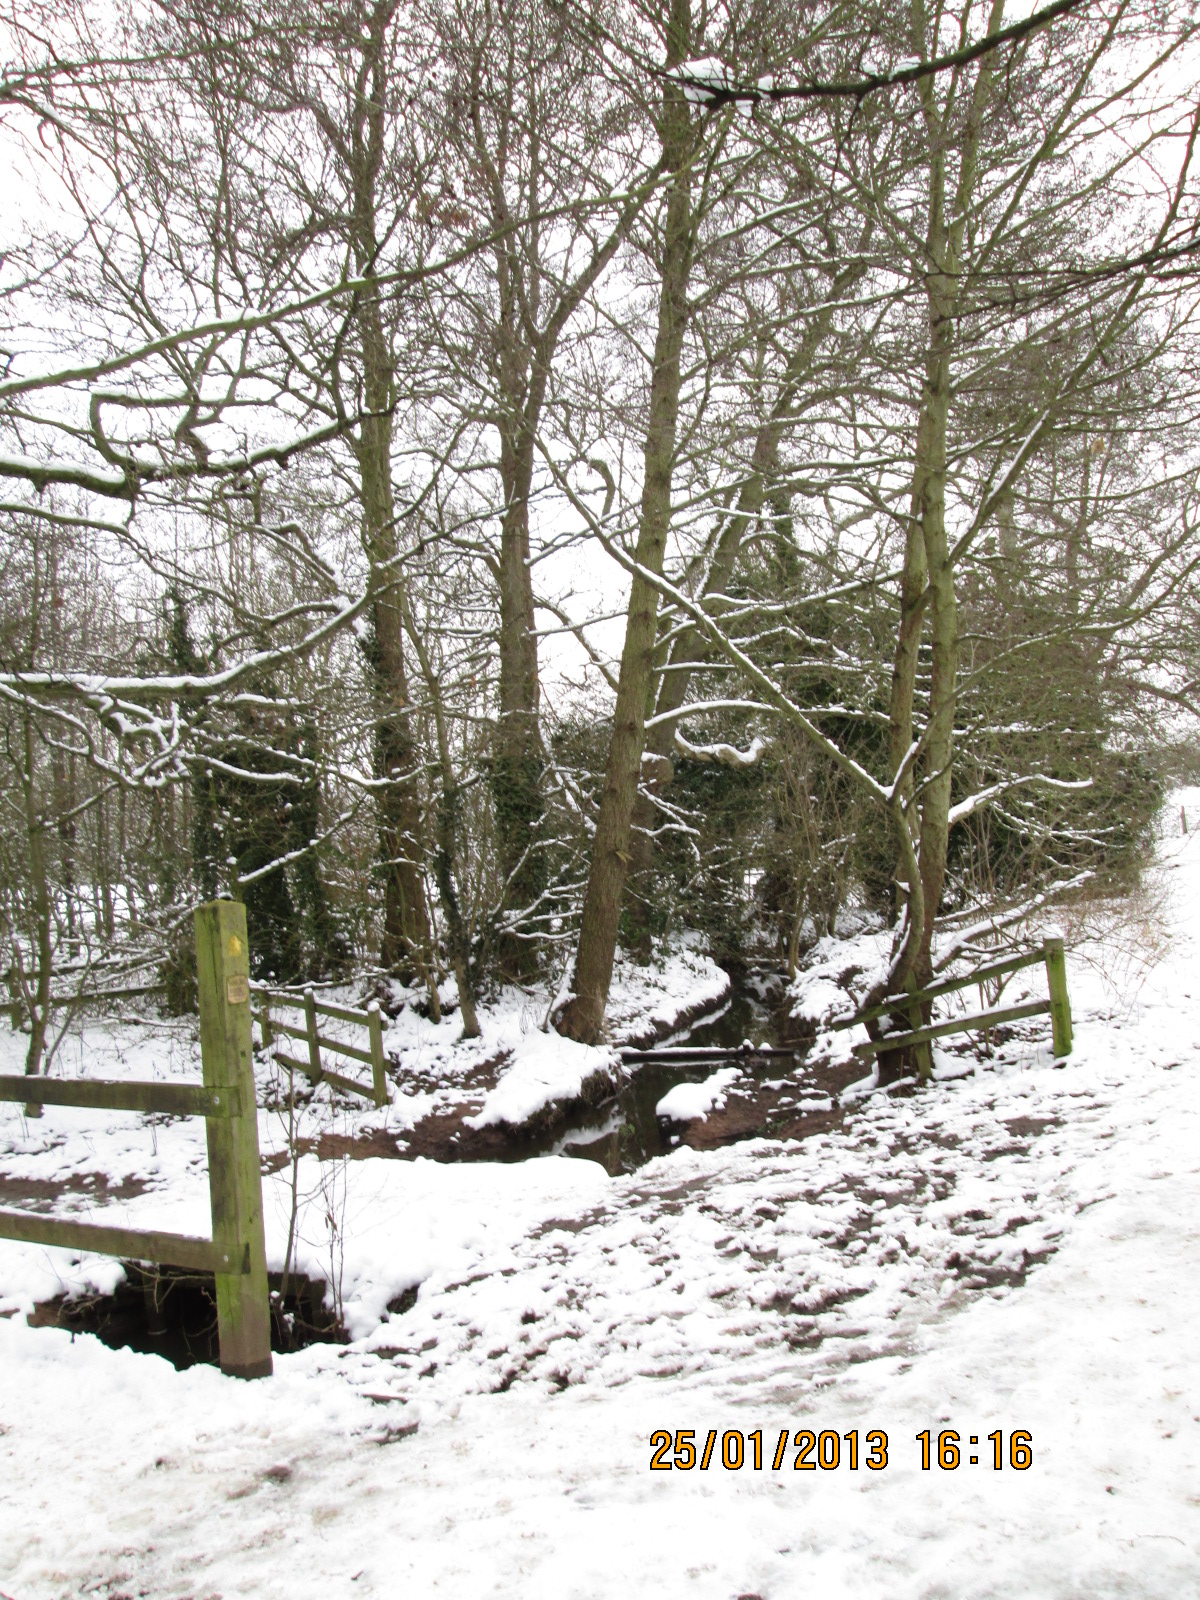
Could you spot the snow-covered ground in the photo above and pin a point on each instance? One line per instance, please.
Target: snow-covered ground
(687, 1101)
(375, 1228)
(1012, 1248)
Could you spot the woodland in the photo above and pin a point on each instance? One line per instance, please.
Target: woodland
(494, 483)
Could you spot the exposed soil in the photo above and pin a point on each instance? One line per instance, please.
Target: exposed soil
(39, 1194)
(614, 1121)
(778, 1094)
(772, 1109)
(168, 1312)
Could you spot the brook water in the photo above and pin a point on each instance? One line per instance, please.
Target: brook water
(173, 1314)
(625, 1132)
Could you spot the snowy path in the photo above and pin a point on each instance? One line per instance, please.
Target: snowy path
(1013, 1249)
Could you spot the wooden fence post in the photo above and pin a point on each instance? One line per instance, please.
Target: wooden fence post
(314, 1043)
(375, 1029)
(1060, 1004)
(264, 1022)
(922, 1051)
(234, 1175)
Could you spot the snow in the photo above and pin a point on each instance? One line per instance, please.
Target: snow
(688, 1101)
(703, 79)
(401, 1224)
(839, 970)
(651, 1001)
(1013, 1247)
(538, 1067)
(545, 1068)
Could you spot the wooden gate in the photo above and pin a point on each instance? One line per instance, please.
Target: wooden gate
(236, 1253)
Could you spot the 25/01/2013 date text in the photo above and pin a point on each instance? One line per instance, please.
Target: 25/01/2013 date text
(826, 1449)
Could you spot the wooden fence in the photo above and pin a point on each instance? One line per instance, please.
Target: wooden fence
(70, 1002)
(1058, 1006)
(236, 1253)
(371, 1054)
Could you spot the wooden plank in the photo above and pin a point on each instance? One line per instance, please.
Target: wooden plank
(63, 1002)
(348, 1085)
(997, 969)
(310, 1031)
(268, 996)
(938, 1030)
(323, 1074)
(289, 1028)
(326, 1008)
(264, 1022)
(276, 997)
(111, 1094)
(174, 1249)
(234, 1172)
(352, 1051)
(297, 1065)
(707, 1052)
(324, 1042)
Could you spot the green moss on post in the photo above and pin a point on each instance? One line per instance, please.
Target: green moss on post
(1060, 1005)
(234, 1177)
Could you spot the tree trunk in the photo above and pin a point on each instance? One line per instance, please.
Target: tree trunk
(938, 758)
(43, 950)
(405, 921)
(582, 1016)
(944, 274)
(458, 938)
(446, 860)
(103, 867)
(527, 352)
(658, 766)
(518, 763)
(406, 932)
(900, 716)
(691, 644)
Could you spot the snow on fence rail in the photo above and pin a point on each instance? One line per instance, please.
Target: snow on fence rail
(314, 1067)
(1052, 953)
(236, 1253)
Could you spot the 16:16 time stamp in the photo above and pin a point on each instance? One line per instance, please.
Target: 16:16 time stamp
(824, 1449)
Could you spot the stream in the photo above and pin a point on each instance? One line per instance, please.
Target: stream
(775, 1096)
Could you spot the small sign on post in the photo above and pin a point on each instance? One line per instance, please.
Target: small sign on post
(234, 1175)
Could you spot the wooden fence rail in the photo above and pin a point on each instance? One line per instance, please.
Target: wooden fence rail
(65, 1002)
(236, 1253)
(314, 1067)
(1058, 1006)
(118, 1094)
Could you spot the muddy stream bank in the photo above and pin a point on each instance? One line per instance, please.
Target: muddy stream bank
(778, 1094)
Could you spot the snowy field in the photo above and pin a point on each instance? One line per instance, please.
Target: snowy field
(1014, 1248)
